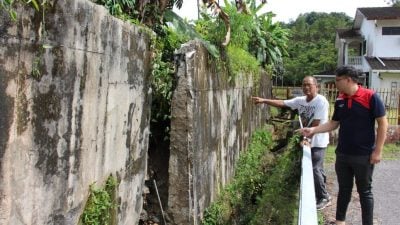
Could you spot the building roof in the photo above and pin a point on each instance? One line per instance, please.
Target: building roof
(348, 33)
(380, 13)
(383, 63)
(371, 13)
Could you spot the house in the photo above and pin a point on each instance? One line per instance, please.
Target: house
(373, 46)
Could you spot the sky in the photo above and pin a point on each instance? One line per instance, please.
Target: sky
(287, 10)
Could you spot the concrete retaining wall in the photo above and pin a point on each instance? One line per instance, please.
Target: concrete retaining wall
(212, 121)
(74, 108)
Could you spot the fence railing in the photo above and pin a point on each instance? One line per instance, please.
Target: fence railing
(307, 204)
(354, 60)
(390, 97)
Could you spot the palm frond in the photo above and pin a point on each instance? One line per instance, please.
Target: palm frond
(183, 27)
(178, 3)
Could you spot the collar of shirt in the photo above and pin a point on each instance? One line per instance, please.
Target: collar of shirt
(362, 96)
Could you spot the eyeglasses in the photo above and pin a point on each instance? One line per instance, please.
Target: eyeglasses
(339, 79)
(307, 85)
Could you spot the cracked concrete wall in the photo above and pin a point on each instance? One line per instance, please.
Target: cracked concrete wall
(211, 122)
(74, 108)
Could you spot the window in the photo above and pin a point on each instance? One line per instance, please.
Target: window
(390, 30)
(364, 47)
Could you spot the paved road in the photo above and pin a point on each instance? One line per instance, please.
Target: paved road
(387, 192)
(386, 188)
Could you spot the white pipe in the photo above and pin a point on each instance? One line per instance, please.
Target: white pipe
(307, 205)
(159, 200)
(380, 60)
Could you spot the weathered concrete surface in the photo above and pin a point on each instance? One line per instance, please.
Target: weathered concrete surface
(74, 108)
(212, 120)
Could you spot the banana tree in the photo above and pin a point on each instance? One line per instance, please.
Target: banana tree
(269, 40)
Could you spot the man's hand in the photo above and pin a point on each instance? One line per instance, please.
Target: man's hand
(272, 102)
(307, 131)
(257, 100)
(376, 156)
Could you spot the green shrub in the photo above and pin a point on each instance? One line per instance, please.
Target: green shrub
(242, 61)
(100, 206)
(279, 201)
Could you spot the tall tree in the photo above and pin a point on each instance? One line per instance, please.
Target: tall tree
(311, 45)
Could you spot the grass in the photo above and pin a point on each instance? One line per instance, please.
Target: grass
(390, 152)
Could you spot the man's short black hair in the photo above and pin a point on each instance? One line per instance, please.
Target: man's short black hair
(348, 71)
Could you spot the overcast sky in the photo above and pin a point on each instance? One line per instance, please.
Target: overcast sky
(287, 10)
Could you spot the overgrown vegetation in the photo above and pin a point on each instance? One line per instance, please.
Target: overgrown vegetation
(149, 13)
(241, 60)
(251, 32)
(163, 69)
(8, 5)
(264, 189)
(101, 205)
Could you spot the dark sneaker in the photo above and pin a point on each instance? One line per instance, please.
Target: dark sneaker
(322, 203)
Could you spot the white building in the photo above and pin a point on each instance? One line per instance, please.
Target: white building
(373, 46)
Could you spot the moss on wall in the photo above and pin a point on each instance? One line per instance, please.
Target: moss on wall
(6, 110)
(46, 109)
(22, 107)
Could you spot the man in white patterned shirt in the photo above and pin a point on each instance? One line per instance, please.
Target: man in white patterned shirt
(313, 111)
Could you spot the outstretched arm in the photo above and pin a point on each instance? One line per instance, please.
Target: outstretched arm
(272, 102)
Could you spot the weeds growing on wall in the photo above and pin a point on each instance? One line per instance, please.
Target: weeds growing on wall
(241, 61)
(149, 13)
(8, 5)
(101, 205)
(264, 189)
(123, 9)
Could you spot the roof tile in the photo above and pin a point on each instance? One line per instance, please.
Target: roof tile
(381, 13)
(388, 63)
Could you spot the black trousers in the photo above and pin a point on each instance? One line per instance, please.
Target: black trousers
(348, 168)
